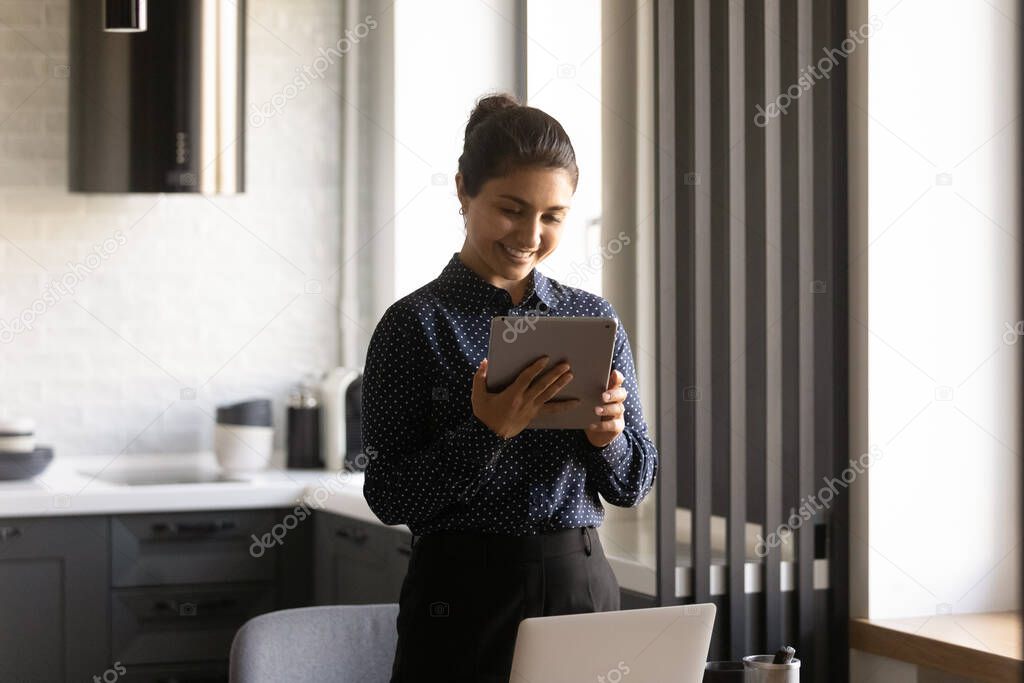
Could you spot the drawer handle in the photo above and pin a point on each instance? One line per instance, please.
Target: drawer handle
(7, 532)
(192, 528)
(352, 534)
(192, 608)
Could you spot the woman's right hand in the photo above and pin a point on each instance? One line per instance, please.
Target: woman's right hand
(509, 411)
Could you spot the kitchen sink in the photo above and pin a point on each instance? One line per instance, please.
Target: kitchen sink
(162, 476)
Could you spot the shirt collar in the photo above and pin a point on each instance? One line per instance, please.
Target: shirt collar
(459, 281)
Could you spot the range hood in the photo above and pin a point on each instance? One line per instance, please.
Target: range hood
(161, 109)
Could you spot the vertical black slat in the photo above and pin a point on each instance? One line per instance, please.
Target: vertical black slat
(719, 275)
(718, 187)
(791, 286)
(700, 548)
(685, 311)
(807, 370)
(670, 407)
(839, 557)
(822, 112)
(789, 247)
(754, 186)
(736, 542)
(773, 340)
(724, 110)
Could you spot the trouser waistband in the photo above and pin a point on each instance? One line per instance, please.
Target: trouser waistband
(526, 547)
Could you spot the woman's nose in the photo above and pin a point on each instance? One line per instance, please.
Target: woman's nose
(533, 236)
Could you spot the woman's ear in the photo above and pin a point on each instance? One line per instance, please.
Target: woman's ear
(461, 192)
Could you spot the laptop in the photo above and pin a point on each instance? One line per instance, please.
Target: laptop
(651, 645)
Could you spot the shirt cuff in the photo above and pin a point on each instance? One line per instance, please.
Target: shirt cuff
(477, 466)
(478, 428)
(616, 449)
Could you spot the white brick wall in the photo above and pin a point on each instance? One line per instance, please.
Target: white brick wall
(206, 292)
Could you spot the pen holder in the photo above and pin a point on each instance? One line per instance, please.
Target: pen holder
(759, 669)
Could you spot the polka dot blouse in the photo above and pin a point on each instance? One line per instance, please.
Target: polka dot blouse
(434, 466)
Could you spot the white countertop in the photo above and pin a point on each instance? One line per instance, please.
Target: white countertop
(66, 488)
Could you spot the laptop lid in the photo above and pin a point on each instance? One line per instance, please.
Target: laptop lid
(640, 645)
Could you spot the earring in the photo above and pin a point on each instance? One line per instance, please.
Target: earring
(462, 212)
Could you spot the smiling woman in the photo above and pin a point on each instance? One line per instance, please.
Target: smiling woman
(515, 182)
(504, 517)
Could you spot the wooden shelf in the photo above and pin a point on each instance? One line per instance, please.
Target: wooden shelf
(984, 647)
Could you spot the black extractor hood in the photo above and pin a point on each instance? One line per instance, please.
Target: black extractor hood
(159, 109)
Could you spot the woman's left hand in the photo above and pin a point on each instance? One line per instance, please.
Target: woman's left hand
(612, 412)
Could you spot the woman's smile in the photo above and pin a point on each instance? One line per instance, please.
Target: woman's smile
(514, 255)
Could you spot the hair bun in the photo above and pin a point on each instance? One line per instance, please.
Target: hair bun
(489, 106)
(503, 134)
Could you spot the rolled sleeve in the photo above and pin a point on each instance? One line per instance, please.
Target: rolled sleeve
(624, 470)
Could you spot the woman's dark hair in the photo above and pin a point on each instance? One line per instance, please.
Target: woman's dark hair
(502, 135)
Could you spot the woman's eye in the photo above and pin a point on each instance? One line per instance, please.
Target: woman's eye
(509, 212)
(553, 219)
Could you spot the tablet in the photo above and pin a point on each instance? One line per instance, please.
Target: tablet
(586, 343)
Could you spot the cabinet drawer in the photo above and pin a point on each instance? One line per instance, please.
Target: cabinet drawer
(358, 562)
(200, 672)
(191, 547)
(183, 623)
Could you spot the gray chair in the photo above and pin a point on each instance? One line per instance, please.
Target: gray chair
(336, 643)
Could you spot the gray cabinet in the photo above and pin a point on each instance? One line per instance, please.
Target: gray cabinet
(357, 562)
(147, 597)
(183, 583)
(54, 583)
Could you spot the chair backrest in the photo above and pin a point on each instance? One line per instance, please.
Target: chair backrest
(334, 644)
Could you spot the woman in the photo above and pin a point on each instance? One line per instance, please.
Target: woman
(503, 518)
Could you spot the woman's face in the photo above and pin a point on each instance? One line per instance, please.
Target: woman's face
(524, 210)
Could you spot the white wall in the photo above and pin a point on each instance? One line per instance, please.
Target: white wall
(940, 240)
(205, 293)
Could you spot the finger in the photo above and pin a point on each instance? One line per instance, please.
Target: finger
(558, 406)
(616, 425)
(480, 377)
(554, 387)
(547, 381)
(614, 395)
(610, 410)
(528, 373)
(614, 379)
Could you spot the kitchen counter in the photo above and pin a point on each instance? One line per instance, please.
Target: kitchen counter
(67, 487)
(64, 488)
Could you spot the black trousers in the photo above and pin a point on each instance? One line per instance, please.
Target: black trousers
(464, 595)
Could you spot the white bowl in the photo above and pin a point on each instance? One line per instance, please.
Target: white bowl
(17, 443)
(242, 448)
(17, 435)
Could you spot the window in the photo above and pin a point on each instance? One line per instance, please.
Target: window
(564, 79)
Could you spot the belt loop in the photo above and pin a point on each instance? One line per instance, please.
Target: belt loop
(412, 543)
(586, 540)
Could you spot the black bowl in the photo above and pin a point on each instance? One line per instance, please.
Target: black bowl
(14, 466)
